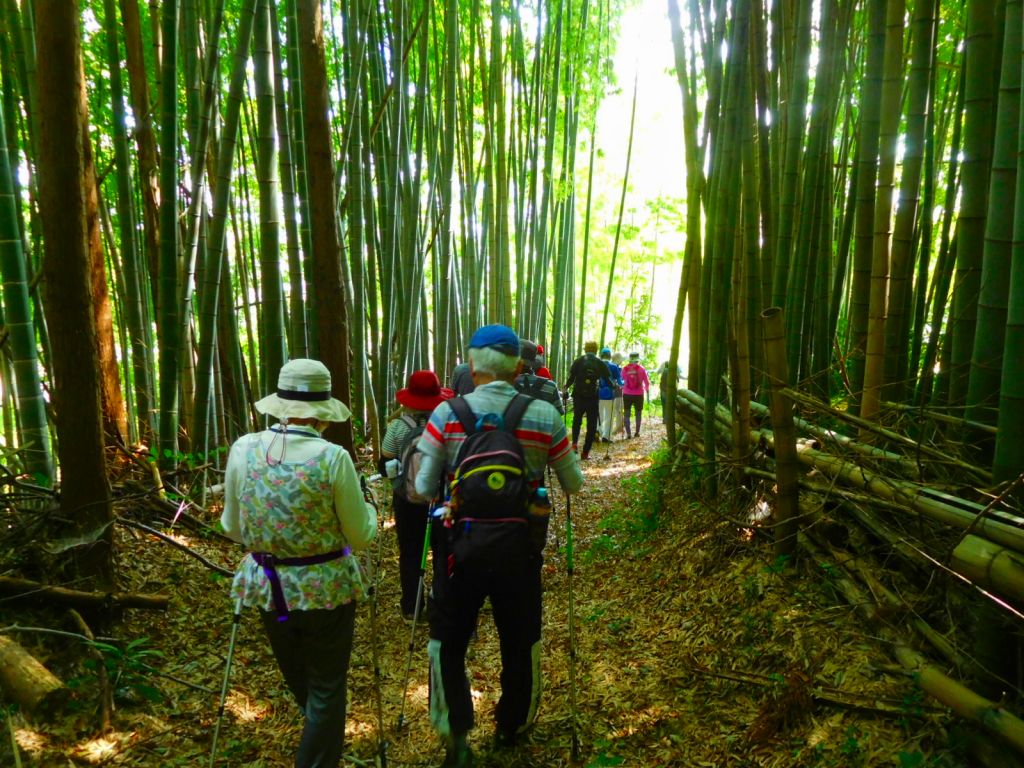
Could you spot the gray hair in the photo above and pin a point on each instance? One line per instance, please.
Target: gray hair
(493, 362)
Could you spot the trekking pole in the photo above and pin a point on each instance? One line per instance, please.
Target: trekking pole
(236, 620)
(400, 723)
(572, 631)
(382, 744)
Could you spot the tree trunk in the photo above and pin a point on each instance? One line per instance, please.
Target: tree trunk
(331, 312)
(85, 493)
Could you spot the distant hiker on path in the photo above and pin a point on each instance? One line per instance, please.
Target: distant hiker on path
(294, 501)
(584, 378)
(636, 387)
(462, 381)
(494, 445)
(529, 382)
(607, 392)
(421, 395)
(617, 408)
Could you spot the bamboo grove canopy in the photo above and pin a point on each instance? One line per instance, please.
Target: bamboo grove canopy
(193, 191)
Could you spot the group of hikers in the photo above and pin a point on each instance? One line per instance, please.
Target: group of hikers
(468, 466)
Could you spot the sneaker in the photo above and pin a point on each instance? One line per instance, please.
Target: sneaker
(585, 455)
(504, 739)
(575, 448)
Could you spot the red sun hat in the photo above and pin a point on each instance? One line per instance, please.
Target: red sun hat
(423, 392)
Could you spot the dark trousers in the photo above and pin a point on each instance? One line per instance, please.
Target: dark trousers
(512, 582)
(312, 649)
(584, 406)
(411, 526)
(630, 402)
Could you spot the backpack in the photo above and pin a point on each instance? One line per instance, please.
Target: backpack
(409, 460)
(589, 378)
(489, 482)
(632, 377)
(538, 388)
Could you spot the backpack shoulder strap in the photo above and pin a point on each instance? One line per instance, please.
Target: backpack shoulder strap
(514, 412)
(408, 419)
(464, 413)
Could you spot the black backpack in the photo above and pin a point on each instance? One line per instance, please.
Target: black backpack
(588, 380)
(489, 481)
(409, 459)
(532, 385)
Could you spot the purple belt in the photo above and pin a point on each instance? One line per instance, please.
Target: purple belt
(269, 563)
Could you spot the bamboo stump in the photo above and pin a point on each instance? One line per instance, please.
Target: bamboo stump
(28, 683)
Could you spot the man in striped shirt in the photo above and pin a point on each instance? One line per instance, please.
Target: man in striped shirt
(513, 584)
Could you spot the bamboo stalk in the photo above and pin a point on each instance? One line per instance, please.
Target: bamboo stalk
(786, 477)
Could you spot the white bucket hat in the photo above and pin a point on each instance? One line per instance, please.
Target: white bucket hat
(303, 391)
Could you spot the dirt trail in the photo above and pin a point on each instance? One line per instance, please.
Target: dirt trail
(662, 601)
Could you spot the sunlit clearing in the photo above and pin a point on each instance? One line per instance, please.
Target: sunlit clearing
(101, 750)
(419, 693)
(30, 741)
(389, 524)
(245, 709)
(620, 469)
(359, 728)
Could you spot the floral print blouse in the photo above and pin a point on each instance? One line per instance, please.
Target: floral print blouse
(288, 506)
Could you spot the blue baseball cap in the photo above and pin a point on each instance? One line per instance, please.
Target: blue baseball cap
(606, 352)
(496, 336)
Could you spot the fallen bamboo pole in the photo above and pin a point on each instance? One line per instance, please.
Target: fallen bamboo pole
(809, 402)
(992, 566)
(28, 683)
(26, 589)
(944, 417)
(962, 700)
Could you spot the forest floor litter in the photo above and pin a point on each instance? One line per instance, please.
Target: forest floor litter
(695, 647)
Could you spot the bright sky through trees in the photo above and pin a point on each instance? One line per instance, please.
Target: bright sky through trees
(645, 52)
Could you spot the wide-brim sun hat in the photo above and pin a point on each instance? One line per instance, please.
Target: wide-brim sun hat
(303, 392)
(423, 392)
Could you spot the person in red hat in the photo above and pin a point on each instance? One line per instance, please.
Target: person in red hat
(422, 393)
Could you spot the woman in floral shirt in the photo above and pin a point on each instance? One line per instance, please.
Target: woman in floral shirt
(294, 501)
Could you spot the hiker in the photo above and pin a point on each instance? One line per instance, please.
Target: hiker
(637, 385)
(461, 382)
(294, 501)
(584, 377)
(489, 537)
(617, 358)
(606, 393)
(530, 383)
(422, 393)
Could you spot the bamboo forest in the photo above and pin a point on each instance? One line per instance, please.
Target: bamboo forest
(248, 249)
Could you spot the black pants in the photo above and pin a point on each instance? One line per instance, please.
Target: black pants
(630, 402)
(589, 407)
(411, 526)
(312, 649)
(512, 582)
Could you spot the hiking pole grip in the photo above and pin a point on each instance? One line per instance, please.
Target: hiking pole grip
(235, 622)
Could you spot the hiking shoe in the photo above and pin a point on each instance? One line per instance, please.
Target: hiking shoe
(504, 739)
(585, 455)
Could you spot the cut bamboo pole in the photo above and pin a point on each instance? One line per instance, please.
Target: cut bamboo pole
(809, 402)
(965, 702)
(990, 565)
(28, 683)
